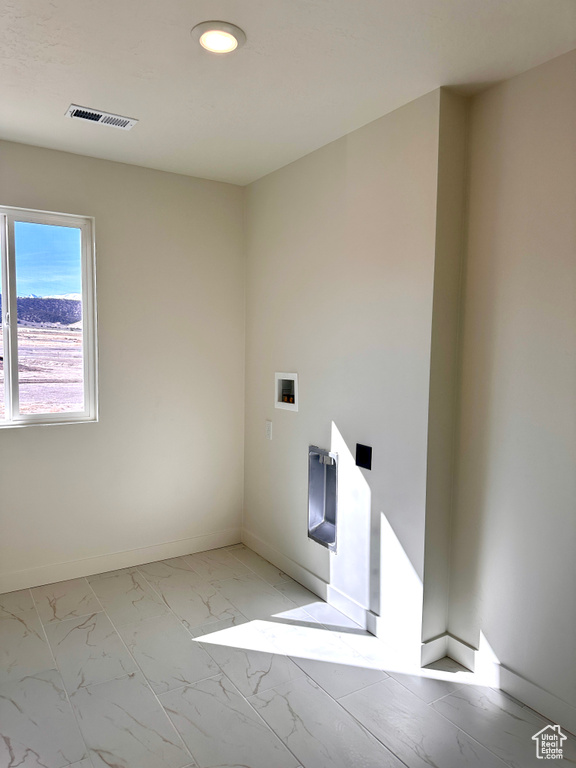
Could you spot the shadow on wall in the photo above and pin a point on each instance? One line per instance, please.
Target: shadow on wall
(354, 567)
(371, 567)
(371, 571)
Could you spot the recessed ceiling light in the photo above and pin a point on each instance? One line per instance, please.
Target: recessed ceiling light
(218, 36)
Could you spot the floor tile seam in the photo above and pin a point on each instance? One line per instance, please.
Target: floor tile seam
(439, 698)
(101, 682)
(263, 581)
(335, 627)
(372, 685)
(164, 602)
(313, 622)
(536, 715)
(216, 578)
(571, 734)
(62, 622)
(189, 567)
(145, 679)
(19, 613)
(207, 581)
(309, 615)
(72, 618)
(336, 698)
(366, 730)
(78, 762)
(141, 618)
(268, 689)
(167, 713)
(204, 579)
(250, 650)
(259, 632)
(415, 673)
(208, 624)
(20, 616)
(469, 735)
(137, 621)
(429, 704)
(294, 605)
(235, 576)
(280, 581)
(239, 577)
(104, 682)
(188, 685)
(261, 719)
(220, 674)
(351, 647)
(286, 621)
(57, 667)
(378, 738)
(283, 581)
(171, 610)
(79, 616)
(507, 695)
(283, 595)
(147, 584)
(362, 656)
(152, 587)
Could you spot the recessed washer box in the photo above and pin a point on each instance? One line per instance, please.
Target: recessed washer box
(322, 496)
(286, 391)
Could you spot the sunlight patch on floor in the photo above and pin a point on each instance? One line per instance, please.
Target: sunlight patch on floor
(286, 635)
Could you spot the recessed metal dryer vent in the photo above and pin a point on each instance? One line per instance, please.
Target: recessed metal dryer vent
(103, 118)
(322, 496)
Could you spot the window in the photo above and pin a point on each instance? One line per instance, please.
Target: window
(48, 330)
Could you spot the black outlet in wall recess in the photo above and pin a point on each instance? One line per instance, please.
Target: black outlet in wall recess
(364, 456)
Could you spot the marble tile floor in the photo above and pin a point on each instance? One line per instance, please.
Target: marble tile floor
(220, 660)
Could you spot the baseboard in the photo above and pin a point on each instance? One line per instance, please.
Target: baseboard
(401, 641)
(291, 567)
(48, 574)
(372, 622)
(545, 703)
(491, 672)
(474, 659)
(347, 606)
(434, 650)
(461, 652)
(447, 645)
(325, 591)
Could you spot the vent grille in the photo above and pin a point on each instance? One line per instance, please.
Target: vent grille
(104, 118)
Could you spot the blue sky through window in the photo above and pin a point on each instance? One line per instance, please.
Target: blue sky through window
(48, 259)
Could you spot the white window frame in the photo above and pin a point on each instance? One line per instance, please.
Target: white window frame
(13, 418)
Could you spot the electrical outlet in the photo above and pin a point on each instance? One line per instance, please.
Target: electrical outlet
(364, 456)
(268, 430)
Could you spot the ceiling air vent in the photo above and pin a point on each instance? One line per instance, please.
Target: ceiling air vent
(103, 118)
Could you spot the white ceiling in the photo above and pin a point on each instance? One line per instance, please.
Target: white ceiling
(311, 71)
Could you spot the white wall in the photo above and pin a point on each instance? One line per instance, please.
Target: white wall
(450, 221)
(514, 564)
(341, 249)
(164, 465)
(346, 252)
